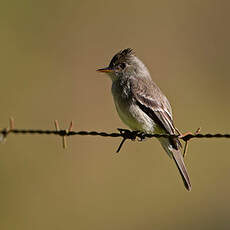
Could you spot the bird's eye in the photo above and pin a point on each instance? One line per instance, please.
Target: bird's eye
(122, 65)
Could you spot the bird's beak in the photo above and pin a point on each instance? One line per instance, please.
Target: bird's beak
(105, 70)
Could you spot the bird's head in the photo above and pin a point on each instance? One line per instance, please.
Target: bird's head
(125, 64)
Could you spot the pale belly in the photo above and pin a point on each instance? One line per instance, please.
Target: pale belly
(134, 117)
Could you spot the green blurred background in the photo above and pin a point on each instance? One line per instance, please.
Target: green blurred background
(49, 53)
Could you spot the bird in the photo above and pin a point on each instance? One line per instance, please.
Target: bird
(142, 106)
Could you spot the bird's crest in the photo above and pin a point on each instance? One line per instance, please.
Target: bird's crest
(121, 56)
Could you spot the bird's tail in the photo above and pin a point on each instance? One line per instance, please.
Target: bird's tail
(173, 150)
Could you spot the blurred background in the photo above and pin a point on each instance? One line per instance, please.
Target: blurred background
(49, 53)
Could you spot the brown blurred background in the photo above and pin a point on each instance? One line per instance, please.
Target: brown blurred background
(49, 53)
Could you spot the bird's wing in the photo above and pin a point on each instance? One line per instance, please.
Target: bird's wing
(151, 101)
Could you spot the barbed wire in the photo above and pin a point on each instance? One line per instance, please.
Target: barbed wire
(125, 134)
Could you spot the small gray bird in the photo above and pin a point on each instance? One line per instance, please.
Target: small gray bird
(142, 106)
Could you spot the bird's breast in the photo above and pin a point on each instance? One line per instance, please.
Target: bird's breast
(129, 111)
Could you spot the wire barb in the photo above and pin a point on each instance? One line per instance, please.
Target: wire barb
(4, 133)
(63, 133)
(186, 137)
(126, 134)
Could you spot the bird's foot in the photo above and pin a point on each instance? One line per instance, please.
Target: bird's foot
(141, 136)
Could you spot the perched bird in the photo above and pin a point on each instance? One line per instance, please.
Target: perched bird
(142, 106)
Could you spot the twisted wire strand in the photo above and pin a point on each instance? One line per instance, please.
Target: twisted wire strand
(127, 134)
